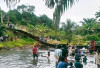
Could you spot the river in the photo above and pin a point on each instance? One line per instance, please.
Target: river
(23, 59)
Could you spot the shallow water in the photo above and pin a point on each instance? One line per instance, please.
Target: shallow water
(23, 59)
(90, 61)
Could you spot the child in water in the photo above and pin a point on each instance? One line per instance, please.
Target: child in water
(78, 64)
(85, 59)
(71, 65)
(48, 52)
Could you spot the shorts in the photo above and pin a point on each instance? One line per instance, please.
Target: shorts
(91, 51)
(48, 54)
(35, 55)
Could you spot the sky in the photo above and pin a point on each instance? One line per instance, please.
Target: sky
(80, 10)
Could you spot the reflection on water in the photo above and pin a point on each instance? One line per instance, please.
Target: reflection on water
(85, 63)
(48, 60)
(24, 59)
(35, 61)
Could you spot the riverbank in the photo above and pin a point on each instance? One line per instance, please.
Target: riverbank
(20, 43)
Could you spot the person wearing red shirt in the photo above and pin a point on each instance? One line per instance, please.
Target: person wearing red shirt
(92, 47)
(35, 52)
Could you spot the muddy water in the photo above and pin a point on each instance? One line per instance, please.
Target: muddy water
(23, 59)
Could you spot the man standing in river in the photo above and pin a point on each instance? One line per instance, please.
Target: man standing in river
(35, 51)
(58, 53)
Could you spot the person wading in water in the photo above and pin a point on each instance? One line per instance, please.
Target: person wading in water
(35, 52)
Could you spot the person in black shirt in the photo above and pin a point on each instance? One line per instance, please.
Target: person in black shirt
(71, 65)
(64, 52)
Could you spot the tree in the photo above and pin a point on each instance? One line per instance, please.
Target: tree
(88, 23)
(14, 16)
(2, 13)
(97, 15)
(31, 9)
(59, 5)
(43, 19)
(2, 30)
(10, 3)
(22, 8)
(56, 18)
(28, 17)
(68, 27)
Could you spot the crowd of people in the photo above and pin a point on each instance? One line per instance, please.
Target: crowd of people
(11, 26)
(62, 52)
(3, 38)
(7, 38)
(48, 38)
(80, 55)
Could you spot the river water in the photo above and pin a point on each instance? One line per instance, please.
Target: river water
(23, 59)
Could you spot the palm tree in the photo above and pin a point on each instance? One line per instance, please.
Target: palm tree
(10, 3)
(68, 27)
(88, 24)
(98, 15)
(60, 7)
(56, 18)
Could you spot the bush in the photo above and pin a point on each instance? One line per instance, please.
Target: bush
(92, 37)
(98, 35)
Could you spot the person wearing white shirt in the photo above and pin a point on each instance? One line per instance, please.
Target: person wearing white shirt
(58, 53)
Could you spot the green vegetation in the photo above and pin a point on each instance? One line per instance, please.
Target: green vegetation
(2, 30)
(70, 33)
(60, 7)
(18, 43)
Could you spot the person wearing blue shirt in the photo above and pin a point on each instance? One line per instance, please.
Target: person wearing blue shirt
(62, 63)
(78, 64)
